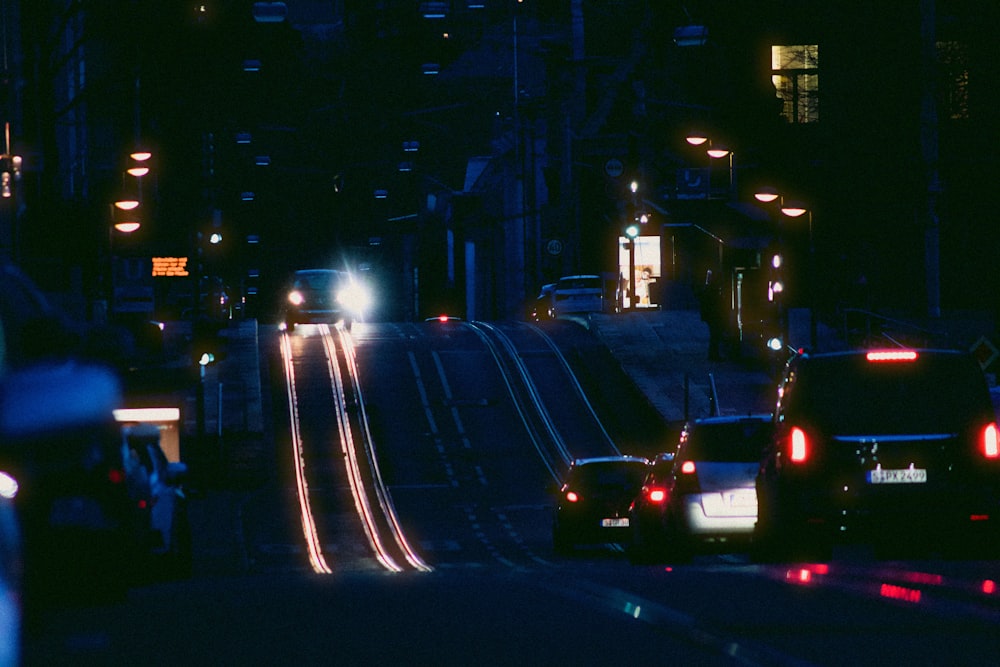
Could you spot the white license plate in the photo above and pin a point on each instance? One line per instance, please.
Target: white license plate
(892, 476)
(615, 523)
(743, 498)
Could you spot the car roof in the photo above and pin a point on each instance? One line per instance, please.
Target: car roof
(624, 458)
(729, 419)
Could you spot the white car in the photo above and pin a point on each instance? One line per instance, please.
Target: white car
(578, 294)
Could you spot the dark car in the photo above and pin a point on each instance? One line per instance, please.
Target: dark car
(156, 487)
(540, 307)
(58, 441)
(593, 500)
(702, 494)
(887, 448)
(324, 296)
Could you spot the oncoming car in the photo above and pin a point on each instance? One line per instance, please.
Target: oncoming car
(892, 449)
(329, 296)
(593, 500)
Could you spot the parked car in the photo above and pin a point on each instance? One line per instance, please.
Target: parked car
(540, 307)
(702, 494)
(578, 294)
(59, 443)
(880, 447)
(324, 295)
(593, 500)
(157, 492)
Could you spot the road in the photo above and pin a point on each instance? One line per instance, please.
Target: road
(405, 517)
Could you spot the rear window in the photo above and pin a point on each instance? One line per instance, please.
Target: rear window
(850, 395)
(582, 282)
(736, 441)
(609, 473)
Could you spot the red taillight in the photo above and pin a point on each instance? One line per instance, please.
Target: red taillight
(798, 445)
(116, 476)
(656, 494)
(572, 497)
(688, 468)
(990, 440)
(891, 355)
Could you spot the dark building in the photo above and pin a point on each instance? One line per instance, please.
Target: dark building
(466, 152)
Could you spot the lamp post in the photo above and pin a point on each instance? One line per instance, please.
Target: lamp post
(631, 232)
(714, 151)
(796, 210)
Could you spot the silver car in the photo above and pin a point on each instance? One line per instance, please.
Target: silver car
(703, 495)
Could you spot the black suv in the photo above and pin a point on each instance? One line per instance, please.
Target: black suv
(883, 447)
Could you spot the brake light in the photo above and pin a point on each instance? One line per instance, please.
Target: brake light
(799, 450)
(990, 439)
(656, 494)
(572, 497)
(116, 476)
(687, 468)
(891, 355)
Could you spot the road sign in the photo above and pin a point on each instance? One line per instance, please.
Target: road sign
(614, 167)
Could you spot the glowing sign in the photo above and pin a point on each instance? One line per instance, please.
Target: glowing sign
(170, 266)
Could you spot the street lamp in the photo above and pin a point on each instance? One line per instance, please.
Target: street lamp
(631, 231)
(715, 152)
(797, 210)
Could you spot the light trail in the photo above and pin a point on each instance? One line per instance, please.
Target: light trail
(382, 493)
(316, 558)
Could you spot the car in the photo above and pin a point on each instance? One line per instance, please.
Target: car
(703, 493)
(578, 294)
(156, 488)
(540, 307)
(593, 500)
(324, 296)
(894, 449)
(79, 528)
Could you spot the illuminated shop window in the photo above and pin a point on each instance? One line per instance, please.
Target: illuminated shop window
(795, 75)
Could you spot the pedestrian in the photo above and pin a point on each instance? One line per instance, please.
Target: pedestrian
(713, 313)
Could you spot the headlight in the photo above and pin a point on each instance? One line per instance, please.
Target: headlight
(354, 297)
(295, 298)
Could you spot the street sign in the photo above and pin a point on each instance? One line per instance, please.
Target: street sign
(614, 167)
(985, 352)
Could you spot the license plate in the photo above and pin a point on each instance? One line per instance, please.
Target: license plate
(743, 498)
(615, 523)
(892, 476)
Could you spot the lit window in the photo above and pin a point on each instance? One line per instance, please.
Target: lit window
(795, 75)
(953, 85)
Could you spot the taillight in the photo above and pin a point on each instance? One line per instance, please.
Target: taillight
(572, 497)
(116, 476)
(656, 494)
(798, 445)
(990, 441)
(688, 468)
(891, 355)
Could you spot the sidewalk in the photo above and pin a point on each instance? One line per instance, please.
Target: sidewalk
(665, 352)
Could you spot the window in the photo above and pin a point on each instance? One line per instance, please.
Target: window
(795, 75)
(953, 70)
